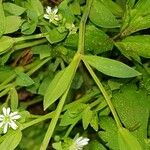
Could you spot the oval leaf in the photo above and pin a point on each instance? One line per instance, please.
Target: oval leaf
(12, 24)
(127, 141)
(111, 67)
(102, 16)
(11, 141)
(13, 9)
(60, 83)
(6, 43)
(139, 45)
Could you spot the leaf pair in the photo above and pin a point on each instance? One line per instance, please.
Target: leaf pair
(64, 78)
(61, 82)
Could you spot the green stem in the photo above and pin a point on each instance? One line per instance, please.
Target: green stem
(53, 122)
(106, 96)
(38, 66)
(29, 44)
(35, 121)
(30, 37)
(82, 27)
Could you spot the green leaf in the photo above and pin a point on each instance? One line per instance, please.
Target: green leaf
(102, 16)
(42, 50)
(54, 36)
(96, 145)
(5, 73)
(37, 7)
(113, 7)
(86, 117)
(28, 27)
(13, 23)
(11, 141)
(23, 79)
(66, 12)
(6, 43)
(109, 133)
(132, 105)
(136, 19)
(13, 98)
(140, 45)
(96, 40)
(13, 9)
(94, 122)
(75, 7)
(127, 141)
(73, 114)
(111, 67)
(60, 83)
(2, 20)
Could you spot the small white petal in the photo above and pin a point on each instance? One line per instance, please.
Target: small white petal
(4, 111)
(5, 128)
(55, 10)
(13, 114)
(1, 116)
(48, 9)
(15, 117)
(1, 124)
(13, 125)
(46, 16)
(8, 110)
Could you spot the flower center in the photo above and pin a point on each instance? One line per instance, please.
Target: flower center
(7, 119)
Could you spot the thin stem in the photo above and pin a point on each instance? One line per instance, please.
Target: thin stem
(82, 27)
(53, 122)
(106, 96)
(30, 37)
(38, 66)
(35, 121)
(29, 44)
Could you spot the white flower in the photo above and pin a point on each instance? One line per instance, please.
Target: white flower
(51, 14)
(72, 28)
(8, 119)
(79, 143)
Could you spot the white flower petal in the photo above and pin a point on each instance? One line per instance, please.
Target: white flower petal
(15, 117)
(13, 125)
(4, 111)
(8, 110)
(1, 116)
(5, 128)
(55, 10)
(46, 16)
(1, 124)
(13, 114)
(48, 9)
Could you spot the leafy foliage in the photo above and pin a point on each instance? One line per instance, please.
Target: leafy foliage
(82, 65)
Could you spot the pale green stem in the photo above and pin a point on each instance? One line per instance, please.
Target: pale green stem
(83, 26)
(53, 122)
(106, 96)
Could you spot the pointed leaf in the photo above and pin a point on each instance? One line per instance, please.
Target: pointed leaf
(86, 117)
(13, 9)
(102, 16)
(14, 98)
(11, 141)
(60, 83)
(127, 141)
(2, 19)
(111, 67)
(139, 45)
(6, 43)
